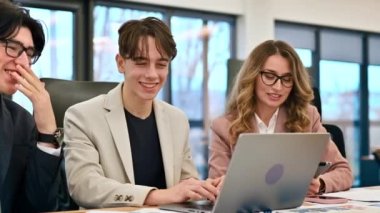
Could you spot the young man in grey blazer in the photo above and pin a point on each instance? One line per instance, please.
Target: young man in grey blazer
(126, 148)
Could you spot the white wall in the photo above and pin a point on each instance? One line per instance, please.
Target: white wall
(256, 17)
(257, 22)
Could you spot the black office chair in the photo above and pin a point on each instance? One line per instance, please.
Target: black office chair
(337, 137)
(317, 101)
(335, 132)
(376, 154)
(233, 67)
(63, 94)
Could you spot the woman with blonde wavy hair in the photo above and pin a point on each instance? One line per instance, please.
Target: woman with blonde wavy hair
(272, 93)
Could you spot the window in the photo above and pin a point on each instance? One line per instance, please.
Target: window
(187, 68)
(340, 94)
(306, 56)
(203, 50)
(374, 106)
(374, 91)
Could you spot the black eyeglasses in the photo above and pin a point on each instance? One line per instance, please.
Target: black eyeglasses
(15, 48)
(271, 79)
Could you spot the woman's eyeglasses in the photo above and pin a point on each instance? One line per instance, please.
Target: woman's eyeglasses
(15, 48)
(271, 79)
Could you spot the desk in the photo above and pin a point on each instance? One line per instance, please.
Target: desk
(118, 209)
(351, 206)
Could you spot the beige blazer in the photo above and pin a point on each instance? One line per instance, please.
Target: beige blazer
(98, 156)
(338, 177)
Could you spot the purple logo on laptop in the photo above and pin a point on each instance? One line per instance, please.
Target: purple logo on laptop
(274, 174)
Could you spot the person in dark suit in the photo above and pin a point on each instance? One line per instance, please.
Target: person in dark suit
(30, 154)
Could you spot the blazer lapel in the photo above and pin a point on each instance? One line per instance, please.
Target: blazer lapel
(6, 139)
(118, 126)
(164, 134)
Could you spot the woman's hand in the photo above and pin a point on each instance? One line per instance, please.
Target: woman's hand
(314, 186)
(217, 182)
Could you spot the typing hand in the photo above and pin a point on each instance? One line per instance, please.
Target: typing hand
(31, 86)
(314, 187)
(217, 182)
(189, 189)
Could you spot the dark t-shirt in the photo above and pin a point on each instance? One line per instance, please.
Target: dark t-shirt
(146, 151)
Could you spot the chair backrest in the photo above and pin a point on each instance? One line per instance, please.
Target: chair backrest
(233, 67)
(317, 101)
(376, 154)
(337, 137)
(65, 93)
(335, 132)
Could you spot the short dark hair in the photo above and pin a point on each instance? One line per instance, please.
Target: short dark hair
(12, 17)
(131, 32)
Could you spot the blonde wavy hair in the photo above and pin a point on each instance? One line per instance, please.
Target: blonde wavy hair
(241, 104)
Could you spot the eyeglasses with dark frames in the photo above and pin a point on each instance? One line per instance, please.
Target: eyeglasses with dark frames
(15, 48)
(270, 79)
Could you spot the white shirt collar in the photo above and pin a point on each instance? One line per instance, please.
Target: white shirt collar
(272, 123)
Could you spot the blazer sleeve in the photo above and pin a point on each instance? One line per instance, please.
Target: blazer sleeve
(43, 178)
(220, 150)
(339, 177)
(88, 185)
(43, 181)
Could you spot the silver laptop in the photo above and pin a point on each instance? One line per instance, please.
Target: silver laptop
(266, 172)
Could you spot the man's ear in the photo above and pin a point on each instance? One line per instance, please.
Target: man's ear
(120, 62)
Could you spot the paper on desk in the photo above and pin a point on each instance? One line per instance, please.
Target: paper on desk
(143, 210)
(359, 194)
(332, 208)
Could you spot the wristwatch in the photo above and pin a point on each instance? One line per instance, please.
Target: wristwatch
(55, 138)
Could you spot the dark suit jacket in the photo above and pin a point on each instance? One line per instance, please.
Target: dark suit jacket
(29, 178)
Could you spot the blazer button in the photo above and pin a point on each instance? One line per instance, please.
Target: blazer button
(129, 198)
(118, 198)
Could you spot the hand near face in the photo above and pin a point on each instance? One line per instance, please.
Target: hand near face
(31, 86)
(189, 189)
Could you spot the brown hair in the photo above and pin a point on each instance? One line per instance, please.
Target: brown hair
(241, 105)
(134, 31)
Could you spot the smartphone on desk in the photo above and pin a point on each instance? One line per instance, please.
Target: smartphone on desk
(322, 167)
(325, 199)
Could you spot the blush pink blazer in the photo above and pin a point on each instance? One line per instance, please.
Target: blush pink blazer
(337, 178)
